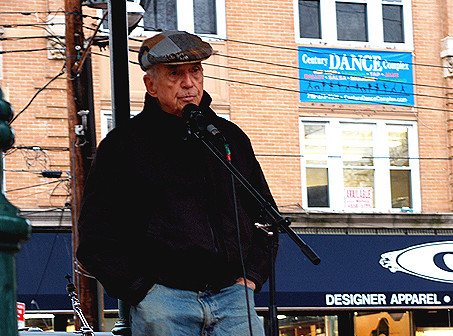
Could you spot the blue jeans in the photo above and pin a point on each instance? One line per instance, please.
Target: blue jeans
(174, 312)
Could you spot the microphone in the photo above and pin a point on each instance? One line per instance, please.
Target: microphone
(198, 122)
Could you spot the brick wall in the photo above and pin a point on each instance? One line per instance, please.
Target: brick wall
(267, 111)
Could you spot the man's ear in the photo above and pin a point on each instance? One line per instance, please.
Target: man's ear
(149, 84)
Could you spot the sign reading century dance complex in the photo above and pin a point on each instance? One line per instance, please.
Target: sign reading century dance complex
(355, 76)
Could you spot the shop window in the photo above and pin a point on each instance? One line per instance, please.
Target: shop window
(382, 323)
(358, 165)
(307, 325)
(349, 22)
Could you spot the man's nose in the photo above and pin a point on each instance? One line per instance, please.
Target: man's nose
(187, 80)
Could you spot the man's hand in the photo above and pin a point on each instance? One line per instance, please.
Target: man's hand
(250, 283)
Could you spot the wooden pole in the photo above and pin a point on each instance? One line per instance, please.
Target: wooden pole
(82, 144)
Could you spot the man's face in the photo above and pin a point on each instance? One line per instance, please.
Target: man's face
(175, 86)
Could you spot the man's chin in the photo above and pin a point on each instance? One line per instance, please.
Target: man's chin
(189, 100)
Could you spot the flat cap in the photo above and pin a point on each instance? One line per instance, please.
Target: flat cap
(173, 47)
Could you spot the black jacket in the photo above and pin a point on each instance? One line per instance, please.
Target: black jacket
(158, 208)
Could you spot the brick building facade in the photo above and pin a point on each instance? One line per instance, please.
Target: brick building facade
(334, 161)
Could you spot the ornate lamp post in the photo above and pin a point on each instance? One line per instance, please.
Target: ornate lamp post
(14, 230)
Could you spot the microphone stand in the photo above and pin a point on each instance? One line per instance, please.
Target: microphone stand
(277, 222)
(85, 328)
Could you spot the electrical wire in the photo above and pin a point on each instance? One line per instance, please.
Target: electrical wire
(65, 149)
(25, 50)
(14, 25)
(301, 68)
(390, 92)
(26, 13)
(17, 38)
(63, 70)
(297, 49)
(298, 91)
(35, 185)
(288, 66)
(320, 82)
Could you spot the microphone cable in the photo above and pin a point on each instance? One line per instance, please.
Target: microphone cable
(241, 255)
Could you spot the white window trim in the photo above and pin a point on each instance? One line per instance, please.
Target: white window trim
(381, 166)
(107, 114)
(375, 26)
(185, 20)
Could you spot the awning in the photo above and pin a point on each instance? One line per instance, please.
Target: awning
(356, 272)
(364, 272)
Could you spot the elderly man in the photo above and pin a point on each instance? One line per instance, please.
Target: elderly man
(161, 224)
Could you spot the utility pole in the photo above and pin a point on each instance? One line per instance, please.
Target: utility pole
(119, 73)
(82, 144)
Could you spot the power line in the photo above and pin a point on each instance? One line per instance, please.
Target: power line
(13, 25)
(17, 38)
(297, 49)
(37, 185)
(30, 12)
(38, 92)
(320, 82)
(25, 50)
(298, 91)
(65, 149)
(300, 68)
(264, 45)
(298, 156)
(345, 86)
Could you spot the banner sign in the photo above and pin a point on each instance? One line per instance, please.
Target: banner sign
(358, 198)
(364, 272)
(355, 76)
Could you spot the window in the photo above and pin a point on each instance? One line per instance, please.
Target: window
(309, 19)
(159, 14)
(392, 16)
(194, 16)
(107, 121)
(357, 165)
(351, 22)
(357, 23)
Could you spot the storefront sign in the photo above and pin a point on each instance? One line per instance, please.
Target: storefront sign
(385, 299)
(20, 315)
(355, 76)
(365, 272)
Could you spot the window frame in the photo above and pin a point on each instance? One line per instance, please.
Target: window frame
(381, 166)
(374, 19)
(106, 117)
(185, 20)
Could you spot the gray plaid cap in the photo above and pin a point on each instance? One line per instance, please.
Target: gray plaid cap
(173, 47)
